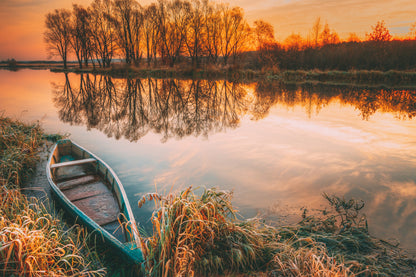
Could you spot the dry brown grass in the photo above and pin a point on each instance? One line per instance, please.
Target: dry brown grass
(32, 241)
(312, 259)
(199, 235)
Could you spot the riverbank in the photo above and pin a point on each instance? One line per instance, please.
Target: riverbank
(34, 239)
(121, 70)
(200, 235)
(355, 77)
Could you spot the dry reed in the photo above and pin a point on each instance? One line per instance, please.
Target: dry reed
(312, 259)
(32, 241)
(200, 235)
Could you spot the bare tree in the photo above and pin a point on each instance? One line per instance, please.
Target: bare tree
(195, 36)
(235, 32)
(380, 32)
(316, 31)
(242, 38)
(150, 32)
(81, 34)
(264, 33)
(124, 20)
(266, 44)
(212, 29)
(137, 34)
(103, 35)
(328, 37)
(58, 33)
(167, 29)
(172, 20)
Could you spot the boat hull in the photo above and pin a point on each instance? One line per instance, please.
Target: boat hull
(129, 250)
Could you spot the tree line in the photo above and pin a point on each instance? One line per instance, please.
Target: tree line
(161, 32)
(323, 49)
(200, 32)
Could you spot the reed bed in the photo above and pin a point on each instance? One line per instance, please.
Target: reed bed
(32, 241)
(312, 259)
(343, 229)
(368, 77)
(35, 243)
(200, 235)
(18, 151)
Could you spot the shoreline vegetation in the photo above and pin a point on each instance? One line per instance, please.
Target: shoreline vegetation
(391, 78)
(192, 233)
(34, 241)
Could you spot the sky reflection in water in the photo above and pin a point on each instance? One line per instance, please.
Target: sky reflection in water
(278, 147)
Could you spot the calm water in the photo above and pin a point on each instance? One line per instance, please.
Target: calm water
(277, 147)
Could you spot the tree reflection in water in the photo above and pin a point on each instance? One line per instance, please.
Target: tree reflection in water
(131, 108)
(368, 100)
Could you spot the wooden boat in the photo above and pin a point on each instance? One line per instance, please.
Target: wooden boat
(89, 190)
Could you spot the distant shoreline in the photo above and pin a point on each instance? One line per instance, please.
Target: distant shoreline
(121, 70)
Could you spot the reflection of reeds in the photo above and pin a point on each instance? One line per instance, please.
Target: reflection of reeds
(33, 242)
(199, 235)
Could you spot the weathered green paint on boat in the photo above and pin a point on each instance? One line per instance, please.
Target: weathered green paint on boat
(129, 249)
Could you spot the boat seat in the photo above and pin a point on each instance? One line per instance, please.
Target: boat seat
(72, 163)
(78, 180)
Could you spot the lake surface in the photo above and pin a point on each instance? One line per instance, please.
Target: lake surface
(278, 147)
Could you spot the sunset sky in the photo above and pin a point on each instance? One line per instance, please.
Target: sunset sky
(22, 21)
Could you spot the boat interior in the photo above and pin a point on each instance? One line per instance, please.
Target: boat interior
(89, 186)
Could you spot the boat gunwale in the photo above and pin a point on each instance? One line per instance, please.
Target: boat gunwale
(86, 219)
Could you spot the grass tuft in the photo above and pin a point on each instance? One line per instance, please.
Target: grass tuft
(200, 235)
